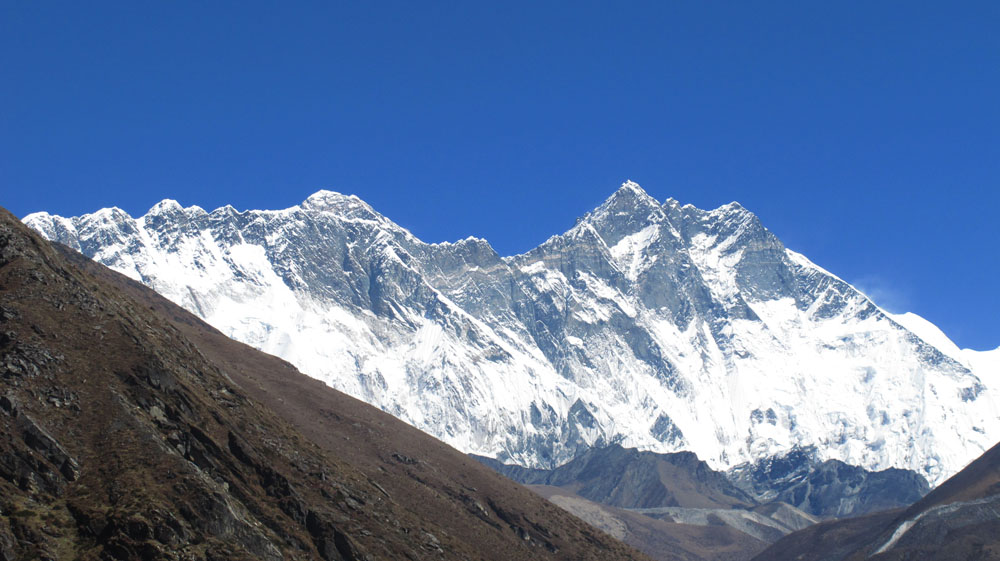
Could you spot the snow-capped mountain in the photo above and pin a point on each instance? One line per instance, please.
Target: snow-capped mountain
(657, 326)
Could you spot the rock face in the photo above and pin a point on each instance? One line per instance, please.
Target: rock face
(131, 430)
(656, 326)
(829, 488)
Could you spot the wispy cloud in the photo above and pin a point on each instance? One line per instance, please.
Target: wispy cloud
(890, 295)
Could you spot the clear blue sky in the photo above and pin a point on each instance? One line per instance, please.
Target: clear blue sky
(865, 134)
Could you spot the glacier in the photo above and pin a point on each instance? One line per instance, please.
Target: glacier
(658, 326)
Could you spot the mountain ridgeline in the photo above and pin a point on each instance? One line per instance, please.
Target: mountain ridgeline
(628, 478)
(650, 325)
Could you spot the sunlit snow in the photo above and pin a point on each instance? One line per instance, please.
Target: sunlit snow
(656, 326)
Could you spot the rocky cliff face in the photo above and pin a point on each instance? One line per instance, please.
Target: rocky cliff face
(829, 488)
(131, 430)
(657, 326)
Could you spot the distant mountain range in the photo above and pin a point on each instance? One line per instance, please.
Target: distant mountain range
(673, 506)
(651, 325)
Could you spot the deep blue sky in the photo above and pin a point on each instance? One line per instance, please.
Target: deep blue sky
(864, 134)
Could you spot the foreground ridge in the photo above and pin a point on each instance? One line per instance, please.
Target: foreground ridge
(133, 430)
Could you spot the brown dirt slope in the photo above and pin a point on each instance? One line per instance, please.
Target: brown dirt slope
(130, 430)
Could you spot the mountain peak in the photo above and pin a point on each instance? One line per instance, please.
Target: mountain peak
(170, 207)
(633, 190)
(625, 212)
(730, 213)
(37, 217)
(328, 200)
(630, 185)
(347, 206)
(734, 208)
(165, 206)
(628, 197)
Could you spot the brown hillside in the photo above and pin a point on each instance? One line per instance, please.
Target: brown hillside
(130, 430)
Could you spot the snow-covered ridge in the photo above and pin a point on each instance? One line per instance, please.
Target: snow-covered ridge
(985, 363)
(658, 326)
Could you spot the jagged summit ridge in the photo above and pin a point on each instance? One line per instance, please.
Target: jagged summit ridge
(657, 326)
(172, 207)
